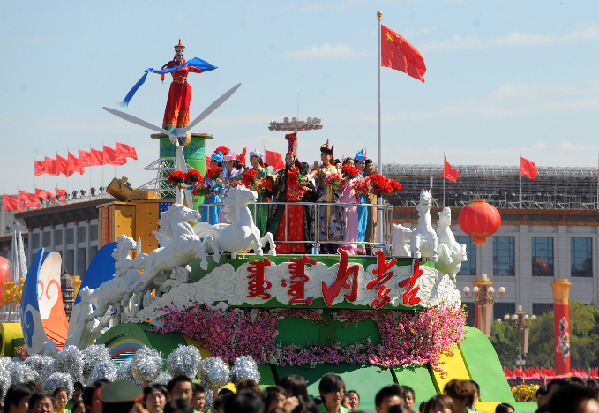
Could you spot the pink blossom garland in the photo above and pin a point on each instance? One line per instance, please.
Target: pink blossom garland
(407, 337)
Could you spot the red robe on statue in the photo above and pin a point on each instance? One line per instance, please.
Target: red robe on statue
(176, 114)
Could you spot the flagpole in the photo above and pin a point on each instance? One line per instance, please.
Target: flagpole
(380, 154)
(520, 181)
(444, 177)
(598, 181)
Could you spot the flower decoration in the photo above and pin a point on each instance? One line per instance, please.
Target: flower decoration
(249, 177)
(176, 177)
(193, 176)
(525, 392)
(21, 351)
(266, 183)
(382, 186)
(214, 172)
(202, 189)
(222, 149)
(349, 171)
(295, 190)
(334, 180)
(361, 186)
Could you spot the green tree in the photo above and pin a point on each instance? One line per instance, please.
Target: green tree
(584, 339)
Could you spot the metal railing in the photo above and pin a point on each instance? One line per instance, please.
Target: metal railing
(383, 231)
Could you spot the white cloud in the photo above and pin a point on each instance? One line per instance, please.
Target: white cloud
(327, 51)
(515, 38)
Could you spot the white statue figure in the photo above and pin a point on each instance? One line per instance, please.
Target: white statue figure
(241, 234)
(401, 241)
(424, 240)
(451, 252)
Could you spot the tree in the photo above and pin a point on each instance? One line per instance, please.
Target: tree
(584, 339)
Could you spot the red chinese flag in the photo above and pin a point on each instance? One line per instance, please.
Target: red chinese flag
(113, 157)
(85, 160)
(275, 160)
(62, 166)
(97, 157)
(450, 173)
(50, 166)
(129, 151)
(41, 193)
(528, 168)
(398, 54)
(26, 199)
(72, 164)
(11, 203)
(39, 168)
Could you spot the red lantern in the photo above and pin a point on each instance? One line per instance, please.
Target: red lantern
(480, 220)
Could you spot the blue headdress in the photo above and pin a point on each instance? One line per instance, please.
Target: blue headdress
(360, 156)
(218, 157)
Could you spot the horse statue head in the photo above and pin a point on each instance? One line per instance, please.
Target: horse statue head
(173, 222)
(237, 199)
(426, 201)
(445, 217)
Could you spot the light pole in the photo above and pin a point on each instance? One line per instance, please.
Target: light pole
(295, 125)
(521, 321)
(484, 297)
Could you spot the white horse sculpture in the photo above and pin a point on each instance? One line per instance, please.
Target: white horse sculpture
(451, 252)
(424, 239)
(242, 234)
(401, 241)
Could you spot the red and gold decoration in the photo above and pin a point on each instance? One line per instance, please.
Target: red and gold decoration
(561, 325)
(479, 220)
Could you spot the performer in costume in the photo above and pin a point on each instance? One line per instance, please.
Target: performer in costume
(330, 226)
(350, 213)
(176, 114)
(211, 213)
(289, 186)
(261, 214)
(372, 222)
(360, 162)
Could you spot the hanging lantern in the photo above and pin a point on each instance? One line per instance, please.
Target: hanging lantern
(480, 220)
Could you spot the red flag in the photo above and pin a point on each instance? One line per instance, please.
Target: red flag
(72, 164)
(450, 173)
(26, 200)
(128, 151)
(61, 192)
(113, 157)
(274, 159)
(85, 160)
(528, 168)
(11, 203)
(97, 157)
(40, 193)
(62, 166)
(398, 54)
(50, 166)
(39, 168)
(241, 156)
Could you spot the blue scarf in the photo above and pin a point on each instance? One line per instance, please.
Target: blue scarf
(195, 62)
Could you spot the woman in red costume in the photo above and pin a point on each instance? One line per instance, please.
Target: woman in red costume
(176, 114)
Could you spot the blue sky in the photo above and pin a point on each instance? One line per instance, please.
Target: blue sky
(503, 78)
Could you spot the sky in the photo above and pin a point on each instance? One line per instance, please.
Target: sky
(504, 79)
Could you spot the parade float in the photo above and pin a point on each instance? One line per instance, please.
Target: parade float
(164, 283)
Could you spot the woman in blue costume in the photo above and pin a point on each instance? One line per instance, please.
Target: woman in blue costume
(210, 214)
(360, 161)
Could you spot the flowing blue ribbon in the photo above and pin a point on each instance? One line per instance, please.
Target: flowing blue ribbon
(194, 62)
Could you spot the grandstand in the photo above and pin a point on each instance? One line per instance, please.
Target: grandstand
(554, 188)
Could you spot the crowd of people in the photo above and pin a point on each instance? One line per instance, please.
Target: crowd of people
(290, 395)
(350, 226)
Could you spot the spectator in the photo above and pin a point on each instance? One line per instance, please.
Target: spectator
(386, 397)
(198, 397)
(61, 396)
(179, 386)
(245, 401)
(76, 396)
(17, 398)
(331, 388)
(41, 403)
(78, 407)
(504, 408)
(249, 384)
(178, 405)
(476, 395)
(408, 396)
(462, 393)
(542, 395)
(120, 396)
(441, 403)
(294, 385)
(274, 398)
(155, 398)
(574, 398)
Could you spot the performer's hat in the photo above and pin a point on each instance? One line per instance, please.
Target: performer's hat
(231, 156)
(360, 156)
(179, 47)
(291, 140)
(327, 149)
(256, 153)
(218, 156)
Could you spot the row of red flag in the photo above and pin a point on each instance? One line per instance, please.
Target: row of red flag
(527, 168)
(29, 200)
(71, 164)
(542, 373)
